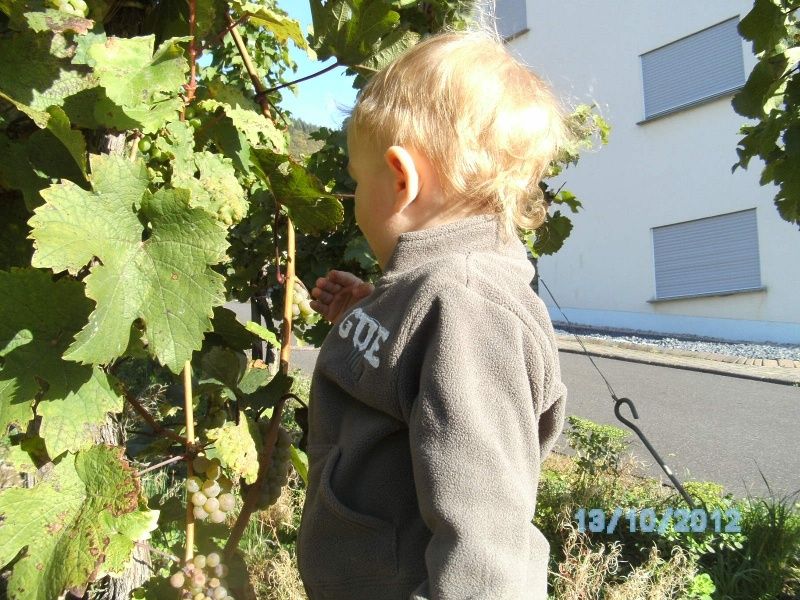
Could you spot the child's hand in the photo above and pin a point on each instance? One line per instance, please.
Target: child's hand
(337, 292)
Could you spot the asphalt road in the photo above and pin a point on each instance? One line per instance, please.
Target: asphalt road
(706, 427)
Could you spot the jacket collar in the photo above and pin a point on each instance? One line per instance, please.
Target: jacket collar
(474, 233)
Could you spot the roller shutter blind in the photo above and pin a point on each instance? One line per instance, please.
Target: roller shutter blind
(511, 17)
(712, 255)
(704, 65)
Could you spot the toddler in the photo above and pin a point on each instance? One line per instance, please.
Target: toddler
(437, 393)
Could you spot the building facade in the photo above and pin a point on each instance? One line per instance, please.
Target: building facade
(669, 239)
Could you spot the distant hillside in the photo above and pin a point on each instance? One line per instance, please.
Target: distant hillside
(300, 141)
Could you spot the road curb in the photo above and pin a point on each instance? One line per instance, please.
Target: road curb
(704, 362)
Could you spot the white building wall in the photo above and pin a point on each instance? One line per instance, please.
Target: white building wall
(672, 169)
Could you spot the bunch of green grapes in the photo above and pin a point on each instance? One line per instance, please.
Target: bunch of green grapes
(157, 161)
(210, 490)
(202, 578)
(301, 304)
(76, 8)
(278, 473)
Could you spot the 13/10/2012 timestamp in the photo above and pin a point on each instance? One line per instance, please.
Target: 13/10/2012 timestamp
(647, 520)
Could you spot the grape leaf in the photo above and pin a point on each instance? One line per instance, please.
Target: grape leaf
(256, 376)
(230, 330)
(164, 278)
(281, 25)
(33, 79)
(300, 462)
(230, 141)
(263, 333)
(358, 250)
(237, 447)
(38, 319)
(80, 522)
(349, 29)
(177, 142)
(310, 206)
(215, 188)
(551, 234)
(16, 457)
(72, 423)
(57, 21)
(245, 114)
(58, 124)
(384, 52)
(763, 25)
(224, 365)
(145, 85)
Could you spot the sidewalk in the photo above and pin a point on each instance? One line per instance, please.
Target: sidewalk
(774, 371)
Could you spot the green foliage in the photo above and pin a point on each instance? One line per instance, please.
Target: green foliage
(767, 561)
(165, 279)
(588, 129)
(80, 521)
(598, 448)
(760, 562)
(771, 96)
(702, 587)
(134, 202)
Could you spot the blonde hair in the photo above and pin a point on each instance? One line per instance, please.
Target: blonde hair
(489, 126)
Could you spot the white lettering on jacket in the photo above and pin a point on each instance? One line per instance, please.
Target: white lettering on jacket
(368, 335)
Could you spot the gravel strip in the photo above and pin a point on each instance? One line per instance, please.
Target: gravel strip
(742, 349)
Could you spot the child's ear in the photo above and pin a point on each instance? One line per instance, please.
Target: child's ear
(406, 182)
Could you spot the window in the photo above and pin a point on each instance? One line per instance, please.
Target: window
(511, 18)
(715, 255)
(702, 66)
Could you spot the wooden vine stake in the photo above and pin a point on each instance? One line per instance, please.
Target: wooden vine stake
(188, 410)
(268, 444)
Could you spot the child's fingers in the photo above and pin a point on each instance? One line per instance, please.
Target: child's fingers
(322, 296)
(343, 278)
(328, 285)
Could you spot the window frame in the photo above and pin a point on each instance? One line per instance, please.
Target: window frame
(697, 101)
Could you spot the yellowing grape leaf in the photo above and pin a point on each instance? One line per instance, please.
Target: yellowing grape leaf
(245, 114)
(159, 272)
(212, 182)
(78, 523)
(281, 25)
(237, 447)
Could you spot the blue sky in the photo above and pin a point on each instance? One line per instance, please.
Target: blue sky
(316, 99)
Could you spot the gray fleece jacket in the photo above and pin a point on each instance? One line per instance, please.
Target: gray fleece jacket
(433, 402)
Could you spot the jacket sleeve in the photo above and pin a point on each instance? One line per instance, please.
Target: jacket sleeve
(475, 448)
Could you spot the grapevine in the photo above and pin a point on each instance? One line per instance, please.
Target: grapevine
(146, 181)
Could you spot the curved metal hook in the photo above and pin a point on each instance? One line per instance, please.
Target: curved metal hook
(629, 403)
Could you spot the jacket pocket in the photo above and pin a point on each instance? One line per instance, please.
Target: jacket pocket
(341, 544)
